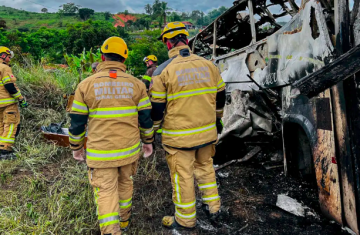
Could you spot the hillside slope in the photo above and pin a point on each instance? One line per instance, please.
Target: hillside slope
(25, 20)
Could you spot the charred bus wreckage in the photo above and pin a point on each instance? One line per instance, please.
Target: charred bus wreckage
(294, 87)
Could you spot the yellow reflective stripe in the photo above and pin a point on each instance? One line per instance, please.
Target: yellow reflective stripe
(210, 198)
(185, 205)
(113, 112)
(189, 131)
(5, 79)
(147, 78)
(144, 103)
(159, 131)
(159, 95)
(185, 216)
(10, 131)
(125, 203)
(109, 219)
(208, 186)
(79, 107)
(9, 140)
(146, 132)
(16, 95)
(96, 191)
(177, 187)
(76, 140)
(220, 84)
(7, 101)
(100, 155)
(1, 83)
(195, 92)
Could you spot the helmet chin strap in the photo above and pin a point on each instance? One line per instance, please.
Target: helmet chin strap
(169, 46)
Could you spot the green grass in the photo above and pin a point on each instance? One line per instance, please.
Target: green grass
(45, 191)
(19, 19)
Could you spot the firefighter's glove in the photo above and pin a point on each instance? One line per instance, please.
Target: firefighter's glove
(148, 150)
(23, 103)
(79, 155)
(219, 125)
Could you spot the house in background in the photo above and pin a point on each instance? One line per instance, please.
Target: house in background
(188, 25)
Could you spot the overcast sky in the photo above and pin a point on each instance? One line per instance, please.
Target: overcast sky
(115, 6)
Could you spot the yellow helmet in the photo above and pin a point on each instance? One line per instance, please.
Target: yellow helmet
(6, 51)
(173, 29)
(150, 57)
(115, 45)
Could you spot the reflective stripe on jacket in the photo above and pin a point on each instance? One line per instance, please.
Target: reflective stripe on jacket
(9, 92)
(186, 86)
(115, 107)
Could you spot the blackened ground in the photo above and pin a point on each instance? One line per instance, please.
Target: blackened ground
(248, 193)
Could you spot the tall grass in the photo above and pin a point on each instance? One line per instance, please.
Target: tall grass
(45, 191)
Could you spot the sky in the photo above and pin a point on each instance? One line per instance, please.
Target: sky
(114, 6)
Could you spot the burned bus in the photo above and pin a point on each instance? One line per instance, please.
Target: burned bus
(296, 82)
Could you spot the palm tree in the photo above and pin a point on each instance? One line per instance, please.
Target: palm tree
(148, 9)
(164, 10)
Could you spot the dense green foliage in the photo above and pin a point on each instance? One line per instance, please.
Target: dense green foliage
(46, 37)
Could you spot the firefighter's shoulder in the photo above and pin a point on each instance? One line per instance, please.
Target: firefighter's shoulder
(162, 67)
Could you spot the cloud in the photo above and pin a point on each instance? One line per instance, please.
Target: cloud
(115, 6)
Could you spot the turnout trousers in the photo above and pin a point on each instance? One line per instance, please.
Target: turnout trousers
(9, 126)
(184, 165)
(113, 190)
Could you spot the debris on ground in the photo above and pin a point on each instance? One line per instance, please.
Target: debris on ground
(290, 205)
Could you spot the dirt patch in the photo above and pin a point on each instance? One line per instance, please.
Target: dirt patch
(248, 194)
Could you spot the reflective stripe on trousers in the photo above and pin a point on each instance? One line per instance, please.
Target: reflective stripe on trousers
(109, 219)
(125, 203)
(207, 186)
(211, 198)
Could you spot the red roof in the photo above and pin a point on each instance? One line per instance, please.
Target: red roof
(187, 23)
(121, 19)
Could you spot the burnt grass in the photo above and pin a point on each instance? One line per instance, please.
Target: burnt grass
(248, 192)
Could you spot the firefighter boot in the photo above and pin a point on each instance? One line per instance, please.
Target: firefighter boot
(124, 225)
(213, 217)
(7, 155)
(170, 222)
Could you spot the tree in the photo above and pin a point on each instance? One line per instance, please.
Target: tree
(70, 8)
(85, 13)
(148, 9)
(107, 15)
(126, 12)
(2, 24)
(44, 10)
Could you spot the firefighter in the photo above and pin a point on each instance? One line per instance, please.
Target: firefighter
(116, 110)
(151, 64)
(10, 96)
(188, 97)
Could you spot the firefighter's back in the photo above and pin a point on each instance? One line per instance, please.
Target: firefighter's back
(191, 84)
(112, 98)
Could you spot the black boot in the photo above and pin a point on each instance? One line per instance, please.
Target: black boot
(213, 217)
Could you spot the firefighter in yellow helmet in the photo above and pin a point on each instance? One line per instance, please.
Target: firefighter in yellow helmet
(151, 64)
(116, 110)
(10, 96)
(188, 97)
